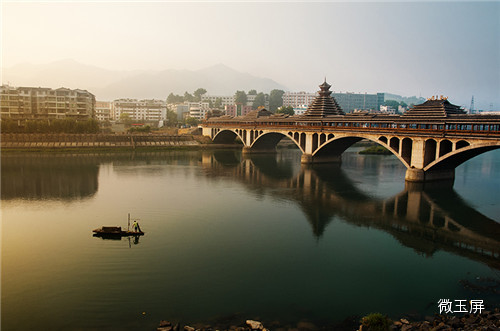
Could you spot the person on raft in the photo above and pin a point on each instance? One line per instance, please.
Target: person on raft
(136, 226)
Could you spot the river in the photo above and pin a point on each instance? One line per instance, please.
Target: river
(261, 237)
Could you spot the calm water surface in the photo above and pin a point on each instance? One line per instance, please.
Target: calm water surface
(260, 236)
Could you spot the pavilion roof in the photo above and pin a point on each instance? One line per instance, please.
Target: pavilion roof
(435, 107)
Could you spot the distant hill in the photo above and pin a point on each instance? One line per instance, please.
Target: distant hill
(113, 84)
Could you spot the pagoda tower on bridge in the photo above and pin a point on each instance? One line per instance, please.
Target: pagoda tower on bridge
(324, 104)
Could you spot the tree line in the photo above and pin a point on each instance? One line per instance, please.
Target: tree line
(274, 98)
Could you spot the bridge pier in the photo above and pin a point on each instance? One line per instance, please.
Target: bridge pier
(307, 158)
(250, 150)
(419, 175)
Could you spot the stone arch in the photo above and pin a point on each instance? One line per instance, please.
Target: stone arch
(332, 150)
(330, 136)
(455, 158)
(429, 151)
(226, 137)
(267, 142)
(394, 144)
(383, 139)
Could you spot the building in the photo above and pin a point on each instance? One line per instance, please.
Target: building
(237, 110)
(46, 103)
(139, 110)
(102, 110)
(300, 110)
(387, 109)
(198, 110)
(361, 101)
(298, 99)
(347, 101)
(225, 99)
(182, 111)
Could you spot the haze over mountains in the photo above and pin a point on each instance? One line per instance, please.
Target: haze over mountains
(114, 84)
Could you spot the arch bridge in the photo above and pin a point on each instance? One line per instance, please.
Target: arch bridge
(429, 147)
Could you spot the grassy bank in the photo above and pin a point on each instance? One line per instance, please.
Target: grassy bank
(377, 150)
(84, 150)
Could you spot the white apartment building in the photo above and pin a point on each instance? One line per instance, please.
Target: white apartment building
(298, 99)
(102, 110)
(198, 110)
(142, 110)
(226, 99)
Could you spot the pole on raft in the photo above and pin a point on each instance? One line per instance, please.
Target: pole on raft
(128, 226)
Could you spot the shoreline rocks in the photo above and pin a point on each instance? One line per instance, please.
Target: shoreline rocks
(487, 320)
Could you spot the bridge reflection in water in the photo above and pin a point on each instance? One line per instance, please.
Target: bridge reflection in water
(424, 217)
(427, 218)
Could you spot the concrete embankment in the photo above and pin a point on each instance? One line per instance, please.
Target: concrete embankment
(21, 141)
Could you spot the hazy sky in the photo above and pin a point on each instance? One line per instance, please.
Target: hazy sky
(425, 48)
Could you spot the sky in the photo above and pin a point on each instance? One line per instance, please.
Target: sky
(409, 48)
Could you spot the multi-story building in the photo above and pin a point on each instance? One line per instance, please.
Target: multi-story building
(198, 110)
(102, 110)
(225, 99)
(298, 99)
(237, 110)
(46, 103)
(348, 101)
(139, 110)
(182, 111)
(359, 101)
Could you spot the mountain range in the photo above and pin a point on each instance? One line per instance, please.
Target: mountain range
(138, 84)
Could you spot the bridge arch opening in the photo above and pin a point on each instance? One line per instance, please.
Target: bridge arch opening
(225, 137)
(445, 147)
(383, 139)
(455, 158)
(332, 150)
(461, 144)
(394, 144)
(430, 151)
(314, 141)
(302, 143)
(406, 150)
(267, 142)
(322, 139)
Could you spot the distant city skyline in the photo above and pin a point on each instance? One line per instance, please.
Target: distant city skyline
(410, 49)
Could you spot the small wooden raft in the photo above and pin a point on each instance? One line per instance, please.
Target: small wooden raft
(115, 231)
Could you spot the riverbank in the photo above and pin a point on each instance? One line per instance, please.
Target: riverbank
(84, 143)
(487, 320)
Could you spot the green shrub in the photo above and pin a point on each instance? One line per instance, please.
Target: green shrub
(376, 322)
(376, 150)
